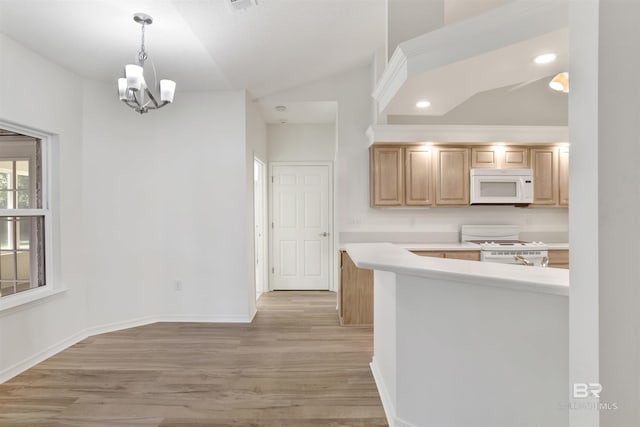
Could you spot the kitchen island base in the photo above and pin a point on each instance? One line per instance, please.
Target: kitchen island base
(465, 344)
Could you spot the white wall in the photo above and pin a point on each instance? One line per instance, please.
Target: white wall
(618, 152)
(356, 220)
(584, 353)
(37, 94)
(256, 137)
(165, 200)
(302, 142)
(140, 202)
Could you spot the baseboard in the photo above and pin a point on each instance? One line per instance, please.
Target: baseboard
(387, 403)
(118, 326)
(41, 356)
(230, 318)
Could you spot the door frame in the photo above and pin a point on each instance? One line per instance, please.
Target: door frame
(331, 238)
(264, 286)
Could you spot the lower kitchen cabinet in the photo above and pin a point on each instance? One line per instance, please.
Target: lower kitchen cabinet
(558, 258)
(355, 301)
(466, 255)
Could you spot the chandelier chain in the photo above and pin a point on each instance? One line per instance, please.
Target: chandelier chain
(142, 55)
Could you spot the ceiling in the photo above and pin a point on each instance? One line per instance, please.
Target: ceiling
(277, 45)
(203, 44)
(449, 86)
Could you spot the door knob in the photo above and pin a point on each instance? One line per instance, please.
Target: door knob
(325, 234)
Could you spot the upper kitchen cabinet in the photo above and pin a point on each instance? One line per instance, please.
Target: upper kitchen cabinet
(544, 162)
(550, 176)
(452, 176)
(438, 175)
(563, 176)
(418, 176)
(387, 176)
(500, 157)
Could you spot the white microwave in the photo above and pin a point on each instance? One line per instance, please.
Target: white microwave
(501, 186)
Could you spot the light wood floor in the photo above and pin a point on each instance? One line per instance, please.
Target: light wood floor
(293, 366)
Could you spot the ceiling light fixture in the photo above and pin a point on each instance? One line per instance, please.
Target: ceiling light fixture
(133, 89)
(545, 58)
(423, 104)
(560, 82)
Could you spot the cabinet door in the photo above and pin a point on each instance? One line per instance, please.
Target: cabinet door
(484, 157)
(452, 176)
(544, 162)
(500, 157)
(433, 254)
(558, 258)
(356, 293)
(418, 176)
(563, 176)
(466, 255)
(515, 158)
(386, 176)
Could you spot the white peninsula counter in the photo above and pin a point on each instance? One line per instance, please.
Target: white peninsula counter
(464, 343)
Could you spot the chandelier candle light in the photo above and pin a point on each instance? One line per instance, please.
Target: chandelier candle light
(133, 89)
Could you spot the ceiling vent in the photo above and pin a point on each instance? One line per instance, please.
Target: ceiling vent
(241, 4)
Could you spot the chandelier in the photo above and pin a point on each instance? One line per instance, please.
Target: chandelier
(133, 88)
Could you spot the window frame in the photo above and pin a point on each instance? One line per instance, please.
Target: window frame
(52, 285)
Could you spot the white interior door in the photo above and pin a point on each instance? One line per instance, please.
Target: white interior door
(300, 222)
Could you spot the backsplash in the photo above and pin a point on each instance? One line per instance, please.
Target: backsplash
(442, 225)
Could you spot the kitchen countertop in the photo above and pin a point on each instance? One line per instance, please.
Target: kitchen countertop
(452, 246)
(394, 258)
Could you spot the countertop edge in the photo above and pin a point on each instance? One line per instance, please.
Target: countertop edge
(393, 258)
(450, 246)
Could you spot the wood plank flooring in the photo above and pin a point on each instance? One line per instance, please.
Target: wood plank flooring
(293, 366)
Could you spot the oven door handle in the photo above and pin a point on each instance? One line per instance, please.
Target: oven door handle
(523, 260)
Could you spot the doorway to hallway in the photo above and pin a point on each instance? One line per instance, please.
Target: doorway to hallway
(301, 226)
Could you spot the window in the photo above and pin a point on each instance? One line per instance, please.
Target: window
(22, 214)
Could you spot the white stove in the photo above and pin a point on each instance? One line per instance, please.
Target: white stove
(500, 243)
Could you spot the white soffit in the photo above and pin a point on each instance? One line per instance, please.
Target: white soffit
(468, 134)
(514, 23)
(451, 85)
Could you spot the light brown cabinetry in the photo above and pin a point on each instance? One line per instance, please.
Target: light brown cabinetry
(387, 186)
(558, 258)
(452, 176)
(418, 176)
(438, 175)
(563, 176)
(550, 176)
(355, 301)
(544, 162)
(466, 255)
(500, 157)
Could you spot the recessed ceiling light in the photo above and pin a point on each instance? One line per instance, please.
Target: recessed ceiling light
(423, 104)
(545, 58)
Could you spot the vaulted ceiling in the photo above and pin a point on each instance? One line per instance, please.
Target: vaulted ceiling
(276, 45)
(203, 44)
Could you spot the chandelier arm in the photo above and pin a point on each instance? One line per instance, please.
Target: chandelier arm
(152, 98)
(130, 105)
(138, 96)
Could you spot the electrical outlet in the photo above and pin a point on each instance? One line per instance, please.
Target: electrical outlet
(178, 285)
